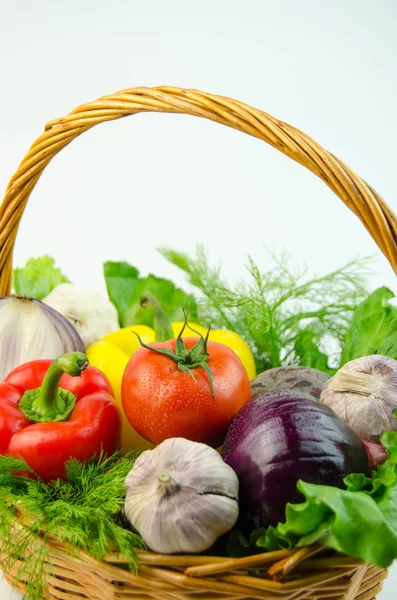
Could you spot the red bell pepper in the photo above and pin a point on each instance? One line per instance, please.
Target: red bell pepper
(51, 411)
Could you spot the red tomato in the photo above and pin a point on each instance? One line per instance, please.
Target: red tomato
(161, 401)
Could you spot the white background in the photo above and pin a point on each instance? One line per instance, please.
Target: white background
(125, 188)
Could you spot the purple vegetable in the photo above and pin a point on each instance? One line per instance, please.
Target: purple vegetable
(281, 437)
(302, 379)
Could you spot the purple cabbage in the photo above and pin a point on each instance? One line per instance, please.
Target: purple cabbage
(281, 437)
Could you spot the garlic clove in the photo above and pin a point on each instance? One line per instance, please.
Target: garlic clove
(363, 393)
(92, 315)
(181, 496)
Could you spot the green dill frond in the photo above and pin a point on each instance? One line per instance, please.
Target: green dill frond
(82, 510)
(283, 315)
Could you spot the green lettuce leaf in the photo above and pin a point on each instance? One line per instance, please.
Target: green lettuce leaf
(308, 352)
(370, 326)
(238, 545)
(37, 278)
(360, 521)
(388, 346)
(121, 282)
(125, 288)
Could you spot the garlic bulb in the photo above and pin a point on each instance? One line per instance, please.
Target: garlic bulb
(363, 393)
(181, 496)
(92, 315)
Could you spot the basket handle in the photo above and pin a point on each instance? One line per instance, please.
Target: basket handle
(369, 207)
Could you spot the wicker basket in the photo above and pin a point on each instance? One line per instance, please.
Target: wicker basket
(308, 573)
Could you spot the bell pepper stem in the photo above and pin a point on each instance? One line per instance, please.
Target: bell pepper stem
(50, 402)
(162, 324)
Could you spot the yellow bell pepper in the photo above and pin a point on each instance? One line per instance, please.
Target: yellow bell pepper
(111, 355)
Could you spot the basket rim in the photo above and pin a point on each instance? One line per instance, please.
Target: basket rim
(361, 199)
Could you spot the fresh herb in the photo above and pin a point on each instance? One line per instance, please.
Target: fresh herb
(307, 350)
(37, 278)
(388, 345)
(360, 520)
(81, 510)
(373, 327)
(285, 317)
(125, 288)
(239, 545)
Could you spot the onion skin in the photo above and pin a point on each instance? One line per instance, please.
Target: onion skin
(377, 453)
(281, 437)
(73, 340)
(31, 330)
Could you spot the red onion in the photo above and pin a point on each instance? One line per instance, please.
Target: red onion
(30, 330)
(281, 437)
(377, 453)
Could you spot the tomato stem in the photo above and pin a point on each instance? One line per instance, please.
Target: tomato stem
(187, 359)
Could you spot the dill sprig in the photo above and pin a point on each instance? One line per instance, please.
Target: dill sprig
(82, 510)
(286, 317)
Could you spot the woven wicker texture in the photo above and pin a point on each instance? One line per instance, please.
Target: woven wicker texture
(299, 574)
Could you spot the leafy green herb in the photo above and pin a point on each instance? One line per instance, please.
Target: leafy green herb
(388, 346)
(121, 282)
(360, 520)
(285, 317)
(81, 510)
(125, 288)
(307, 349)
(239, 545)
(373, 327)
(37, 278)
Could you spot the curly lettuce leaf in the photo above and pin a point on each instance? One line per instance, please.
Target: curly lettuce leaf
(360, 521)
(370, 325)
(125, 288)
(37, 278)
